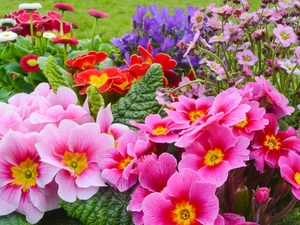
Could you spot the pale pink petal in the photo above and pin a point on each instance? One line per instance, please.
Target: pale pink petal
(52, 196)
(10, 199)
(38, 199)
(47, 172)
(90, 176)
(137, 198)
(191, 161)
(104, 118)
(216, 174)
(66, 186)
(86, 193)
(118, 130)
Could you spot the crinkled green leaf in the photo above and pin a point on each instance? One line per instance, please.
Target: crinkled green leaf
(95, 100)
(293, 215)
(241, 201)
(55, 75)
(107, 207)
(140, 101)
(13, 219)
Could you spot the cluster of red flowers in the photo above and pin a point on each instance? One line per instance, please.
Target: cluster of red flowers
(48, 22)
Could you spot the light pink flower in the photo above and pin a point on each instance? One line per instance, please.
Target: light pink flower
(74, 151)
(22, 178)
(219, 38)
(285, 35)
(197, 19)
(214, 153)
(159, 130)
(215, 67)
(270, 144)
(290, 171)
(297, 53)
(119, 166)
(246, 57)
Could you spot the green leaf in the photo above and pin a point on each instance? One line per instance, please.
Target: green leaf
(13, 219)
(13, 67)
(104, 47)
(23, 40)
(108, 62)
(294, 214)
(18, 51)
(5, 94)
(140, 101)
(107, 207)
(74, 54)
(241, 201)
(95, 100)
(55, 75)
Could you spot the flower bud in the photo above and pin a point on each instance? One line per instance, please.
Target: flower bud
(262, 194)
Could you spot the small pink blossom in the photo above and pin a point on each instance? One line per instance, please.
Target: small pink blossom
(215, 67)
(262, 194)
(219, 38)
(246, 57)
(197, 19)
(297, 53)
(285, 35)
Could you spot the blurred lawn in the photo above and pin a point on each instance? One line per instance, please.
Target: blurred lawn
(119, 11)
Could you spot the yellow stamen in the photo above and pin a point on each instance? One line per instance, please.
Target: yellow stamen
(196, 114)
(160, 130)
(272, 142)
(184, 213)
(213, 157)
(75, 161)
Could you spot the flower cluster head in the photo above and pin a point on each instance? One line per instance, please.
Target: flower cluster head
(63, 6)
(29, 63)
(97, 14)
(65, 40)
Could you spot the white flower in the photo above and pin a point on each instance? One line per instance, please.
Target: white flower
(288, 66)
(30, 6)
(49, 35)
(7, 36)
(7, 21)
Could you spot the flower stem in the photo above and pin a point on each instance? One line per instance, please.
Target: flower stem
(287, 209)
(31, 27)
(93, 35)
(61, 24)
(65, 53)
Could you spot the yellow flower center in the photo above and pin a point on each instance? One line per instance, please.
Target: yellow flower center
(246, 58)
(6, 35)
(199, 19)
(195, 114)
(284, 35)
(272, 142)
(32, 62)
(99, 81)
(213, 157)
(25, 174)
(160, 130)
(75, 161)
(124, 163)
(242, 124)
(184, 213)
(65, 38)
(297, 177)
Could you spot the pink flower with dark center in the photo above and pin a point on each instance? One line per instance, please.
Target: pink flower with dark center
(214, 153)
(63, 6)
(246, 57)
(198, 19)
(285, 35)
(97, 14)
(181, 202)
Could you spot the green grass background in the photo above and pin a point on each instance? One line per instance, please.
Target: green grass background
(119, 11)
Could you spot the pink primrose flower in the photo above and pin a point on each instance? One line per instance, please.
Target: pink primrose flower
(246, 57)
(74, 151)
(235, 219)
(270, 144)
(153, 177)
(120, 165)
(9, 119)
(290, 171)
(297, 53)
(159, 130)
(181, 202)
(252, 123)
(214, 153)
(22, 178)
(285, 35)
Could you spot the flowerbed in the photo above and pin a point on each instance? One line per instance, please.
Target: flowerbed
(192, 118)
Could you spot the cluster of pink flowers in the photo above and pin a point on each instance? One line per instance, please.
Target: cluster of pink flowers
(50, 149)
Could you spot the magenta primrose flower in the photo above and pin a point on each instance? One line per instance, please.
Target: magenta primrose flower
(214, 153)
(74, 157)
(270, 144)
(285, 35)
(153, 177)
(119, 165)
(23, 178)
(290, 171)
(159, 130)
(187, 199)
